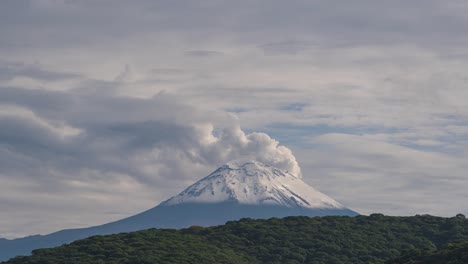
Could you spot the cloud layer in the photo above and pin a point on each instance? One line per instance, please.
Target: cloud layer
(84, 145)
(118, 104)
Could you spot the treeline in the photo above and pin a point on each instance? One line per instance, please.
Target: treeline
(332, 239)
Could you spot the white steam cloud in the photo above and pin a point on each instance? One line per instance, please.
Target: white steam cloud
(232, 143)
(199, 148)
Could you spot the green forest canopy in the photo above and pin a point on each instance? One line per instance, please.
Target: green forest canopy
(332, 239)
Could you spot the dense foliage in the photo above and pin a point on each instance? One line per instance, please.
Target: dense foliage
(453, 253)
(332, 239)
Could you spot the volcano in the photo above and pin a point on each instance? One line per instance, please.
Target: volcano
(236, 190)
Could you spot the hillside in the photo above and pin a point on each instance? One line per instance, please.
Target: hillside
(331, 239)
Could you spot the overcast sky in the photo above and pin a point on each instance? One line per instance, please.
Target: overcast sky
(109, 107)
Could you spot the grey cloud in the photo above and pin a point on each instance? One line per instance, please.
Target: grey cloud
(427, 23)
(10, 70)
(122, 135)
(203, 53)
(237, 110)
(168, 71)
(49, 103)
(287, 47)
(295, 107)
(89, 142)
(376, 176)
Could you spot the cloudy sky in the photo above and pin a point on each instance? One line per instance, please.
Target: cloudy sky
(109, 107)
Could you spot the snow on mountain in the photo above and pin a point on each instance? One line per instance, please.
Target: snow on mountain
(254, 183)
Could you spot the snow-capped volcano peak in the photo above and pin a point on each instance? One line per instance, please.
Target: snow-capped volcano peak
(253, 183)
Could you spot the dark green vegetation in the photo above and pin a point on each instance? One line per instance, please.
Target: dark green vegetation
(331, 239)
(453, 253)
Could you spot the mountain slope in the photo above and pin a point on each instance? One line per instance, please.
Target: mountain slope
(232, 192)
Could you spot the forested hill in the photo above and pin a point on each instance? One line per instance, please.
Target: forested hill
(453, 253)
(331, 239)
